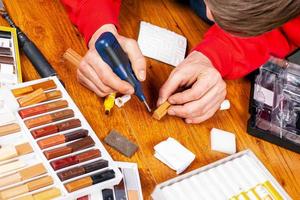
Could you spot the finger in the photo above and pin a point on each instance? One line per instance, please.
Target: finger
(88, 72)
(88, 84)
(106, 75)
(199, 88)
(206, 116)
(200, 106)
(174, 81)
(136, 57)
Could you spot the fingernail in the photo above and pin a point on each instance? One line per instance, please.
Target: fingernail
(171, 112)
(159, 101)
(171, 101)
(130, 91)
(142, 75)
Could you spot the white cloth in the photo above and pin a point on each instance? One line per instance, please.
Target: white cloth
(161, 44)
(174, 155)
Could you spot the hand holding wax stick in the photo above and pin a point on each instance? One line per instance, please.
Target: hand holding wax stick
(74, 58)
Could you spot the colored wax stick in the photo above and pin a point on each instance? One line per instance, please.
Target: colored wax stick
(44, 195)
(161, 111)
(46, 85)
(109, 102)
(10, 128)
(48, 118)
(72, 160)
(23, 174)
(11, 166)
(36, 110)
(84, 169)
(51, 129)
(34, 97)
(70, 148)
(27, 187)
(90, 180)
(8, 152)
(60, 139)
(56, 94)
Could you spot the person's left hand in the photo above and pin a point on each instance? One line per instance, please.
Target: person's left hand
(206, 93)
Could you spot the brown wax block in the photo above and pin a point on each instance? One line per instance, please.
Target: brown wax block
(72, 56)
(54, 153)
(120, 143)
(46, 85)
(23, 149)
(69, 148)
(34, 97)
(161, 111)
(39, 183)
(7, 60)
(32, 171)
(21, 91)
(10, 128)
(78, 184)
(71, 173)
(56, 94)
(48, 118)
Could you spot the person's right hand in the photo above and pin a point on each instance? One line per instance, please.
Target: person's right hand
(97, 76)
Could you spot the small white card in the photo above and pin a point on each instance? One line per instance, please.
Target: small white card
(161, 44)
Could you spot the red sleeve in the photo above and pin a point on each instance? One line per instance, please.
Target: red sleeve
(236, 57)
(90, 15)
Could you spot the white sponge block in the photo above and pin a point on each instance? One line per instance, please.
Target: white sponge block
(222, 141)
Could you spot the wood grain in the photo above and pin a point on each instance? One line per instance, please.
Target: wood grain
(47, 24)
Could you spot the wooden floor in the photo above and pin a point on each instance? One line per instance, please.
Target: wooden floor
(47, 24)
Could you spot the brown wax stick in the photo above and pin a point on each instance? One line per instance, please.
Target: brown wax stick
(48, 118)
(72, 56)
(34, 97)
(24, 188)
(60, 139)
(161, 111)
(9, 129)
(70, 148)
(40, 109)
(54, 128)
(23, 174)
(56, 94)
(46, 85)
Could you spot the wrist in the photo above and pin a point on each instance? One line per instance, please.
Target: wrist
(105, 28)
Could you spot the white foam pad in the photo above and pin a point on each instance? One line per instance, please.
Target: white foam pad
(225, 105)
(222, 141)
(174, 155)
(161, 44)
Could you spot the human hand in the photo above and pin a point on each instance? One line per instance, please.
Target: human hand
(205, 95)
(97, 76)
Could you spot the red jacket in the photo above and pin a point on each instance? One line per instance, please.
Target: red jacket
(234, 57)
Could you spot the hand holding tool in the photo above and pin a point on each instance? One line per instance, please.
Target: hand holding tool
(112, 53)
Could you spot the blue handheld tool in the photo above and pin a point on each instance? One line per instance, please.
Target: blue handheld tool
(112, 53)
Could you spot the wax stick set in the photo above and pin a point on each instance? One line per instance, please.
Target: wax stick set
(48, 132)
(10, 67)
(239, 176)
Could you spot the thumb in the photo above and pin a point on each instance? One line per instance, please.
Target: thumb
(136, 57)
(169, 87)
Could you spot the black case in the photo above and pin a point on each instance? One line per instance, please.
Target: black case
(265, 134)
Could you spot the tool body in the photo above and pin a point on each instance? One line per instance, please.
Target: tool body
(112, 53)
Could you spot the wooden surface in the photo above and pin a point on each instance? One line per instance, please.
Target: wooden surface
(47, 24)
